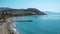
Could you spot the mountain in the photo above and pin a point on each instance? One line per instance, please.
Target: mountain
(51, 13)
(21, 12)
(4, 8)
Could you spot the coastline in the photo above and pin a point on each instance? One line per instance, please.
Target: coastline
(11, 26)
(7, 27)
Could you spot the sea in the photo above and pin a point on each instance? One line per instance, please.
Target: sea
(45, 24)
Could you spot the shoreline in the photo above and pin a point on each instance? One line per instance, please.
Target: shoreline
(8, 27)
(11, 26)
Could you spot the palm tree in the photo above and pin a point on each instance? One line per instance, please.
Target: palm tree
(4, 16)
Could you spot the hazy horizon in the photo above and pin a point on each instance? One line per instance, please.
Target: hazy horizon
(43, 5)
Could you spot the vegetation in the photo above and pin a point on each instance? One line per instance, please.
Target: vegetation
(4, 15)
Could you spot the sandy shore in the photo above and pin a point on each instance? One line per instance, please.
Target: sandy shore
(6, 27)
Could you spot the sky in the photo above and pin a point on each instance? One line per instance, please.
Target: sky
(42, 5)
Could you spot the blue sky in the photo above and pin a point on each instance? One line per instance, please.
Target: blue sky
(43, 5)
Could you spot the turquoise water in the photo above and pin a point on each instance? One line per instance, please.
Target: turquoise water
(48, 24)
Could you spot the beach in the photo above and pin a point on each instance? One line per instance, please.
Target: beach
(6, 27)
